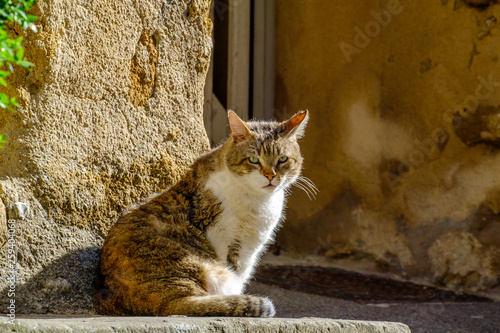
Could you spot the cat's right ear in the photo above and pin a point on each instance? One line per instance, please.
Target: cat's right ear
(239, 130)
(295, 126)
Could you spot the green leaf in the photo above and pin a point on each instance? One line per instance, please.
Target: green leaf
(23, 15)
(4, 99)
(25, 64)
(2, 140)
(11, 49)
(20, 54)
(14, 102)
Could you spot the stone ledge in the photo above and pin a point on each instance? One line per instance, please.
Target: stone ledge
(198, 324)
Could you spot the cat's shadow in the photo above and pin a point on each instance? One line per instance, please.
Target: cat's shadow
(65, 286)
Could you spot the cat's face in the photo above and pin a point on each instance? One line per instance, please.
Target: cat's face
(265, 156)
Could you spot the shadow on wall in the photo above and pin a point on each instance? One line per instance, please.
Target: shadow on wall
(65, 286)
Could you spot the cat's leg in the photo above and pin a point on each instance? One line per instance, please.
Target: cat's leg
(222, 305)
(165, 276)
(187, 297)
(217, 293)
(220, 280)
(203, 289)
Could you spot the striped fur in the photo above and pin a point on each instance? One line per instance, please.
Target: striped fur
(192, 249)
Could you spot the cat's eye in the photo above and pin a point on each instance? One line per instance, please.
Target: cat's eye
(283, 159)
(253, 160)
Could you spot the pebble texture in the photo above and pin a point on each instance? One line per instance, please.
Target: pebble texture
(194, 325)
(111, 113)
(403, 141)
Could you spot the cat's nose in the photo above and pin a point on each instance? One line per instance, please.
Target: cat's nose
(268, 173)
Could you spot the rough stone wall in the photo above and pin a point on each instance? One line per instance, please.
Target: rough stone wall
(404, 136)
(111, 113)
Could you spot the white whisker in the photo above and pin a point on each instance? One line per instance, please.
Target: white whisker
(306, 185)
(309, 183)
(310, 194)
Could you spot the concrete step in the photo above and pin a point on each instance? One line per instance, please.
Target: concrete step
(191, 324)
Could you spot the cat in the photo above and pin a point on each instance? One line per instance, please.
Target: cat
(192, 249)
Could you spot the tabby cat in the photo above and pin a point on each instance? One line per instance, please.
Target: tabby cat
(192, 249)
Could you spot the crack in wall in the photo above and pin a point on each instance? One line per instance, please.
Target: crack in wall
(143, 71)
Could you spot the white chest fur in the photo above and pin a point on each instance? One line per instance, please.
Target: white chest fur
(247, 219)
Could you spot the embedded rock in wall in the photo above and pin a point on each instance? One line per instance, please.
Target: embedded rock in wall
(3, 224)
(111, 113)
(403, 141)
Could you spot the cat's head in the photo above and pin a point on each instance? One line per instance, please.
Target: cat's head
(265, 155)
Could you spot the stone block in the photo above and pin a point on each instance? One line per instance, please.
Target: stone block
(198, 324)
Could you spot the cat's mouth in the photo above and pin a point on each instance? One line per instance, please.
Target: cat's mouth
(270, 186)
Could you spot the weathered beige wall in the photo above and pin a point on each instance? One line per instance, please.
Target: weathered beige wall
(111, 113)
(404, 136)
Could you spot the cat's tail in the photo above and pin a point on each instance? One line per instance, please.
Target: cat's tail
(218, 305)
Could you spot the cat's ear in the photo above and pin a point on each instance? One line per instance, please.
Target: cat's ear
(296, 126)
(239, 130)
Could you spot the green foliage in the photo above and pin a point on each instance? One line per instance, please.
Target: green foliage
(15, 11)
(11, 50)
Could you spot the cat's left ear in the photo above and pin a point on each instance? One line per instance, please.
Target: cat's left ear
(296, 126)
(239, 130)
